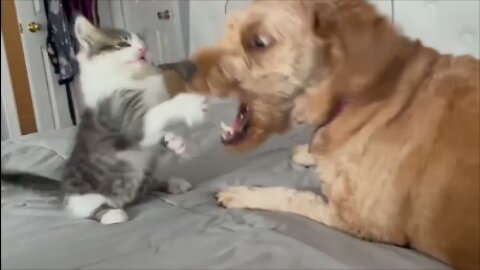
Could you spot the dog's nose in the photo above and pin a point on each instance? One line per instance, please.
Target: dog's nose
(186, 69)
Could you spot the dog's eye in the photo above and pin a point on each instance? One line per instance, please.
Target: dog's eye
(123, 44)
(261, 42)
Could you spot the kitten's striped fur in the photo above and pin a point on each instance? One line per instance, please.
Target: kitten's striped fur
(126, 117)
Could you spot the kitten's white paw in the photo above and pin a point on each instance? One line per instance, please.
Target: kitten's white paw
(175, 143)
(178, 185)
(193, 107)
(113, 216)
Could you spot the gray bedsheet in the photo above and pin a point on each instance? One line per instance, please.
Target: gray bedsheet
(186, 231)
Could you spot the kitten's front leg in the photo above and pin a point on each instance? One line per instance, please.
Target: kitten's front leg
(192, 108)
(188, 108)
(175, 143)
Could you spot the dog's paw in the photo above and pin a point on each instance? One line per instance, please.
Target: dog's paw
(193, 107)
(175, 143)
(178, 185)
(234, 197)
(301, 156)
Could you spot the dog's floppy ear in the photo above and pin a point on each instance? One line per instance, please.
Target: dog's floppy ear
(324, 17)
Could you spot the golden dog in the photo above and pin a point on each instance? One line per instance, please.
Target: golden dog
(397, 144)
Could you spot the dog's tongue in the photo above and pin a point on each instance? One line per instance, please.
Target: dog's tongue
(236, 131)
(236, 124)
(231, 132)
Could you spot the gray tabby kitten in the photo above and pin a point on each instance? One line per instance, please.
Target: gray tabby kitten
(124, 122)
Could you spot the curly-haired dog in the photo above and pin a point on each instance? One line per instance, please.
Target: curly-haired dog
(397, 144)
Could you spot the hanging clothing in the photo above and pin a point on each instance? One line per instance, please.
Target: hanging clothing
(61, 45)
(88, 9)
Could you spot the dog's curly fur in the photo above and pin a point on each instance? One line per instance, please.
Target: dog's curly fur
(400, 163)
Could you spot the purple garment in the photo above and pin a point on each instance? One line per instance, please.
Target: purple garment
(87, 8)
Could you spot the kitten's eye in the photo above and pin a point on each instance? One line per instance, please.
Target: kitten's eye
(261, 41)
(123, 44)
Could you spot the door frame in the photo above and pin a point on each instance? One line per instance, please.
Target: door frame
(7, 96)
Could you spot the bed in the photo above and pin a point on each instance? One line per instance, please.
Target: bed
(187, 231)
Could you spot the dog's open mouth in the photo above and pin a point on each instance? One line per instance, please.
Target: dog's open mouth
(238, 130)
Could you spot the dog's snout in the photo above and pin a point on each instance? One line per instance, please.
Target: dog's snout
(186, 69)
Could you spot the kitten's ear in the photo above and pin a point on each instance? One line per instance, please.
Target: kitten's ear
(186, 69)
(85, 31)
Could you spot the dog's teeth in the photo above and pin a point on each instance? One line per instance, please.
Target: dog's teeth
(226, 127)
(226, 136)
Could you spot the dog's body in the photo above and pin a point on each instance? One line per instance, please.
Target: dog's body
(398, 141)
(405, 169)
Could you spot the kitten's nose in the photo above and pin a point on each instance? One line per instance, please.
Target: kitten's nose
(186, 69)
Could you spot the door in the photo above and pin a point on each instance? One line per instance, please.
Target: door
(16, 97)
(159, 22)
(49, 98)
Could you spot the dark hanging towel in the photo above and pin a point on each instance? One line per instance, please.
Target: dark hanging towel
(61, 45)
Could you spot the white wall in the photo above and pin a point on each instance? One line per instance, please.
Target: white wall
(451, 26)
(5, 130)
(5, 133)
(207, 19)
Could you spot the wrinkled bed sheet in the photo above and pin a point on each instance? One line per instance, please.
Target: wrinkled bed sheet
(187, 231)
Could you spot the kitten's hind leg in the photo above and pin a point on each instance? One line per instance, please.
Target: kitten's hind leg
(95, 206)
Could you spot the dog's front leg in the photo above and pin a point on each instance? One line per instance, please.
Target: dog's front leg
(304, 203)
(314, 106)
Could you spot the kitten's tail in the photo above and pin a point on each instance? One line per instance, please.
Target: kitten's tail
(31, 182)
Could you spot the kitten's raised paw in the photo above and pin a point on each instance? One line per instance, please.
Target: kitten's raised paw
(194, 108)
(113, 216)
(175, 143)
(178, 185)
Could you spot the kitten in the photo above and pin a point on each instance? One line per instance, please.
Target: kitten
(126, 116)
